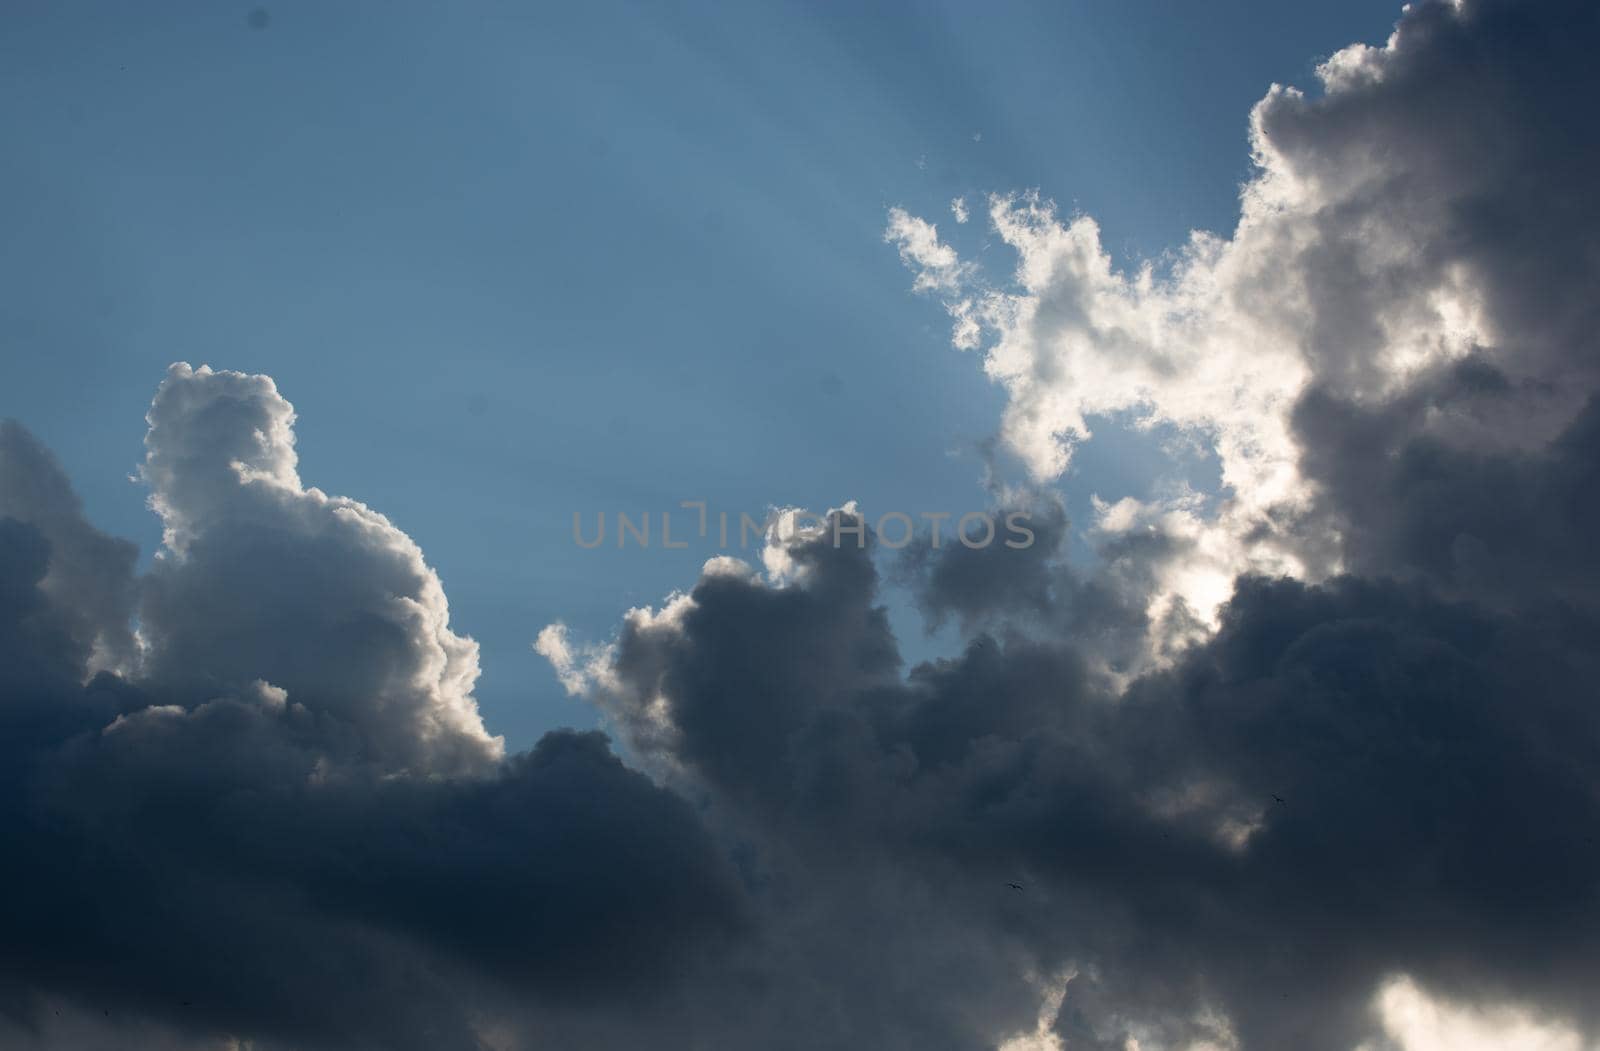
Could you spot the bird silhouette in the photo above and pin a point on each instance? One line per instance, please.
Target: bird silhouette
(1014, 886)
(1279, 799)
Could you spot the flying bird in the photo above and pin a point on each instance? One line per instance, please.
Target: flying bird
(1279, 799)
(1014, 886)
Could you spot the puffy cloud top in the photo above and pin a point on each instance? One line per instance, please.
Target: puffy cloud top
(265, 579)
(1429, 207)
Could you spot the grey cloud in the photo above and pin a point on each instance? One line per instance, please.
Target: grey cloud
(1431, 204)
(1506, 526)
(199, 867)
(1425, 716)
(264, 578)
(1036, 592)
(1475, 146)
(91, 582)
(1436, 762)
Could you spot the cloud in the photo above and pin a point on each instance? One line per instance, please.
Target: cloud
(937, 266)
(1429, 207)
(1417, 1022)
(1427, 825)
(90, 584)
(282, 823)
(263, 578)
(1279, 769)
(1310, 765)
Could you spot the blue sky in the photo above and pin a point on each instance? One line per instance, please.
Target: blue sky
(513, 263)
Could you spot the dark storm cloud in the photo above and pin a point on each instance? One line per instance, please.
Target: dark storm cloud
(1507, 526)
(1036, 591)
(335, 908)
(1388, 772)
(245, 864)
(1477, 141)
(1475, 472)
(1435, 761)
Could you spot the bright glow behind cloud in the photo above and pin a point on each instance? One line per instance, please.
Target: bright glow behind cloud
(1332, 277)
(1418, 1022)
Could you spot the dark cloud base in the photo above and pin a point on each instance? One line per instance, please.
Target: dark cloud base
(243, 865)
(1435, 760)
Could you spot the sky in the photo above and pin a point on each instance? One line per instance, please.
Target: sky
(511, 262)
(1274, 325)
